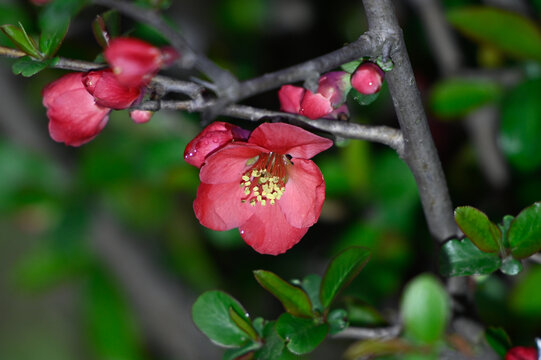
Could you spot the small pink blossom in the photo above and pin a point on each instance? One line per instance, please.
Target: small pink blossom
(74, 117)
(367, 79)
(108, 91)
(141, 116)
(266, 187)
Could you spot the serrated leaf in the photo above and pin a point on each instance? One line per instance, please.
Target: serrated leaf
(337, 320)
(524, 234)
(521, 125)
(294, 299)
(210, 313)
(243, 324)
(457, 97)
(511, 266)
(425, 309)
(343, 268)
(302, 335)
(478, 228)
(27, 67)
(463, 258)
(312, 285)
(506, 31)
(498, 340)
(21, 40)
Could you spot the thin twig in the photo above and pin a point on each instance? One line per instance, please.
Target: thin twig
(419, 153)
(359, 333)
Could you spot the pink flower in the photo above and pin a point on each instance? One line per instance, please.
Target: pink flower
(331, 94)
(521, 353)
(367, 79)
(141, 116)
(133, 61)
(108, 91)
(213, 137)
(267, 187)
(74, 117)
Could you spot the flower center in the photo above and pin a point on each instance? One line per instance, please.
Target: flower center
(266, 179)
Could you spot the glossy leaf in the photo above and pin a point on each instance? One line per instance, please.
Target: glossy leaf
(524, 234)
(363, 99)
(521, 125)
(99, 29)
(526, 296)
(498, 339)
(51, 38)
(294, 299)
(463, 258)
(27, 67)
(478, 228)
(243, 324)
(312, 284)
(302, 335)
(21, 40)
(273, 345)
(337, 320)
(351, 66)
(235, 353)
(425, 309)
(508, 32)
(457, 97)
(210, 314)
(343, 268)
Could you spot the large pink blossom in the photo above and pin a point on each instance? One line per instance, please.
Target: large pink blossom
(266, 187)
(74, 117)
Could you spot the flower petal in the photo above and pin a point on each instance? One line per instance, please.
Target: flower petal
(228, 164)
(304, 194)
(289, 139)
(290, 98)
(108, 91)
(219, 206)
(268, 231)
(315, 106)
(68, 82)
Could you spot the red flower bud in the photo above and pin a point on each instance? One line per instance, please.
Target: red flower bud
(367, 79)
(521, 353)
(108, 91)
(133, 61)
(212, 138)
(290, 98)
(335, 86)
(141, 116)
(315, 106)
(74, 117)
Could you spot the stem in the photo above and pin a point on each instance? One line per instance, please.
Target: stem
(419, 151)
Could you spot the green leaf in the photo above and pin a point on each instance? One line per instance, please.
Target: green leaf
(210, 314)
(463, 258)
(526, 296)
(506, 31)
(504, 229)
(425, 309)
(302, 335)
(294, 300)
(99, 29)
(524, 234)
(511, 266)
(21, 40)
(521, 125)
(337, 320)
(498, 339)
(478, 228)
(312, 285)
(51, 37)
(343, 268)
(457, 97)
(351, 66)
(232, 354)
(243, 324)
(273, 345)
(363, 99)
(27, 67)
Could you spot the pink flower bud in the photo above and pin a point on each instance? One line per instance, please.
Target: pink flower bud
(212, 138)
(108, 91)
(141, 116)
(367, 79)
(74, 117)
(315, 106)
(134, 62)
(335, 86)
(521, 353)
(290, 98)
